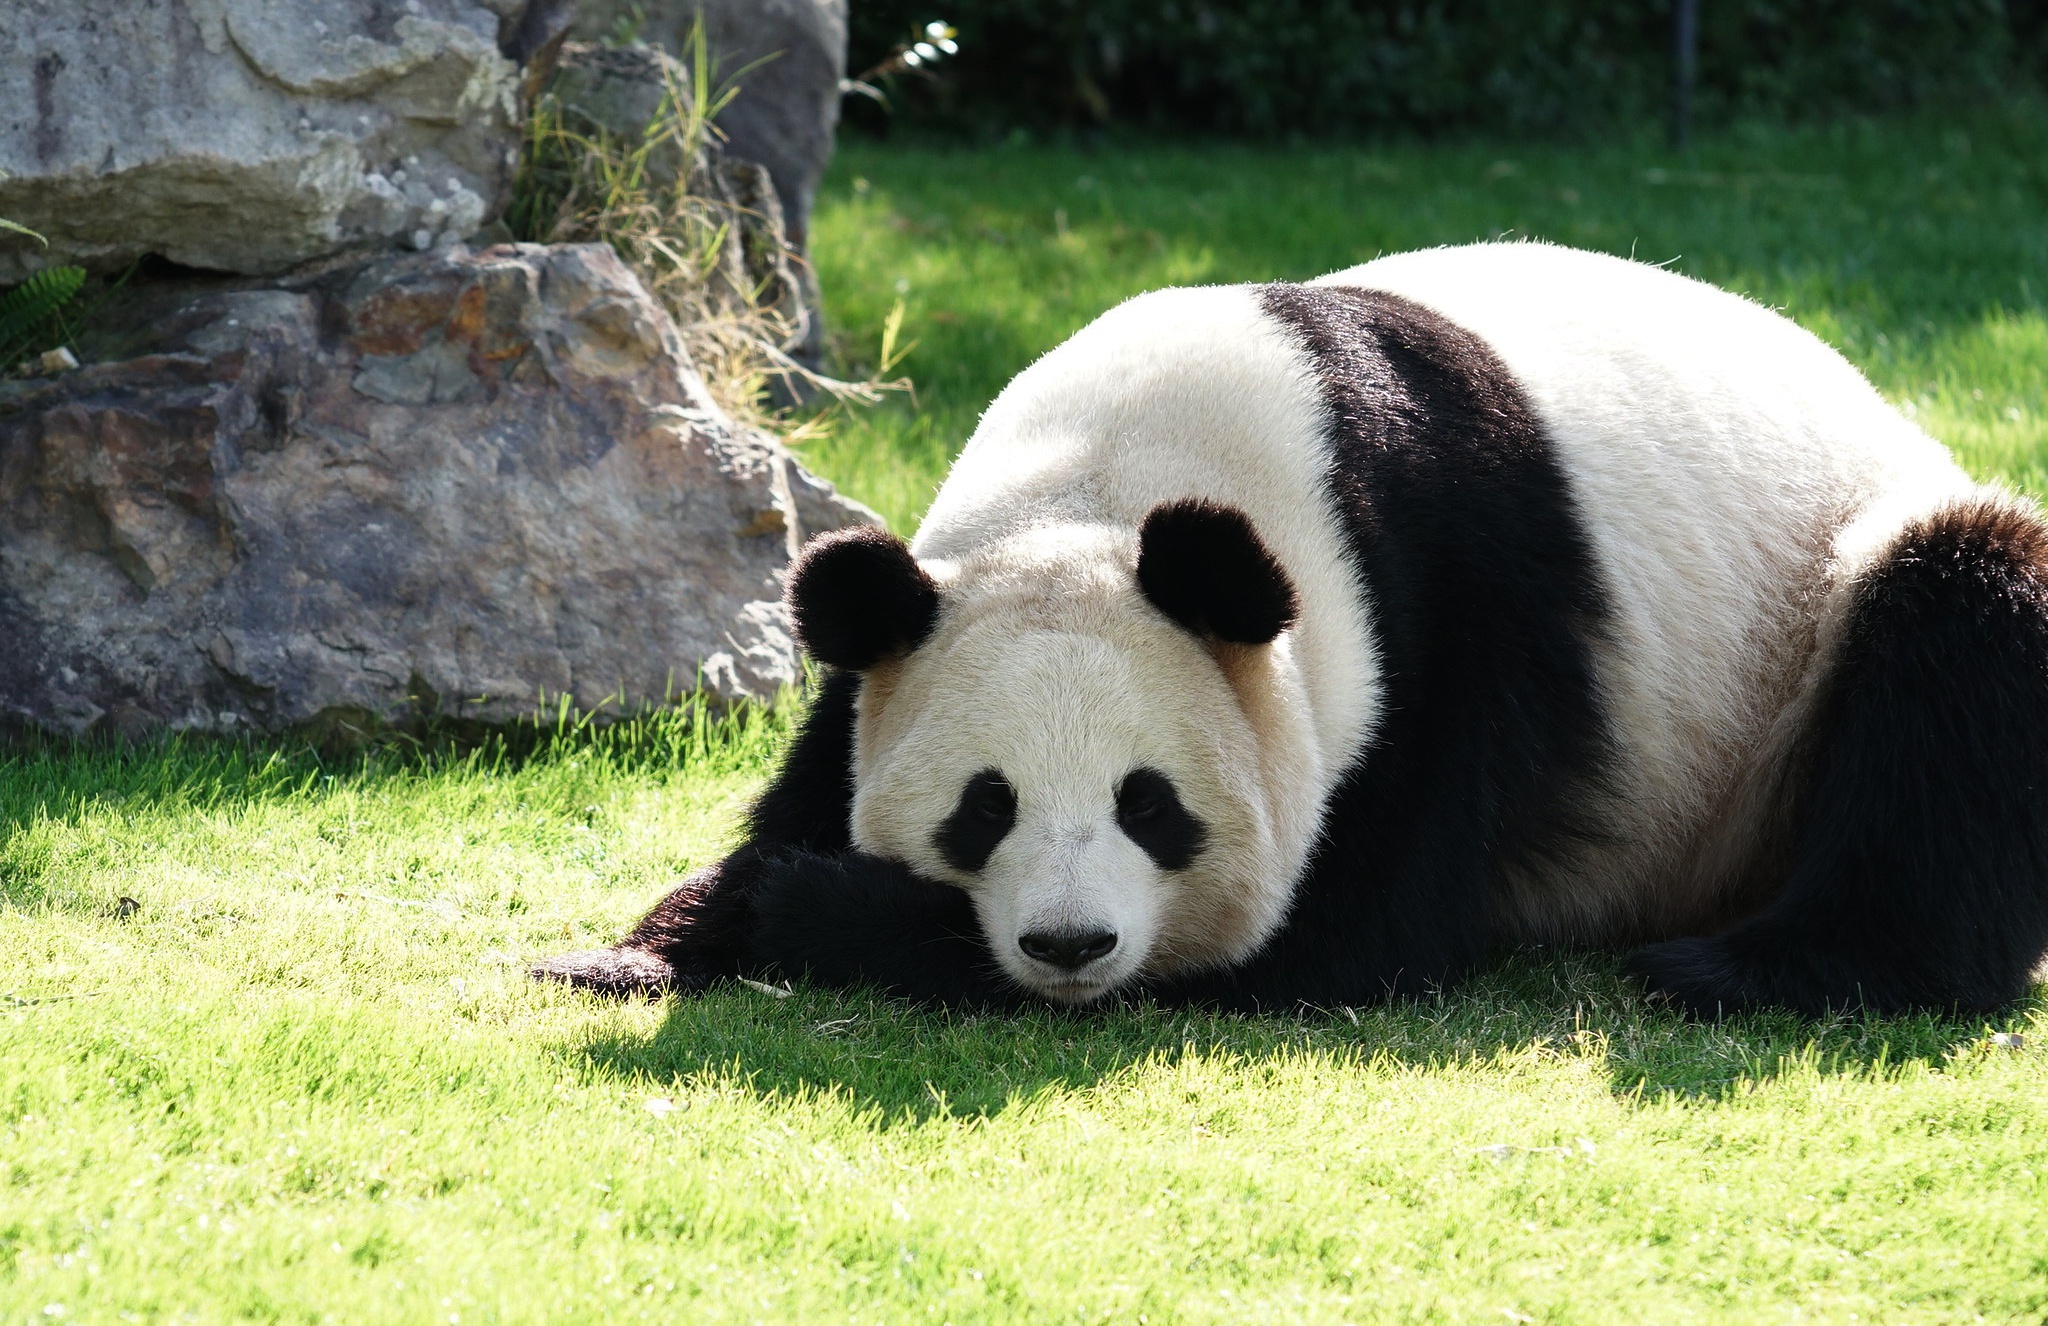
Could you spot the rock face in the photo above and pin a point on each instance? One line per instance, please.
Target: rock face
(254, 135)
(788, 105)
(454, 484)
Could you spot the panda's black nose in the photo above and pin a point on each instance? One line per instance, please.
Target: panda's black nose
(1069, 950)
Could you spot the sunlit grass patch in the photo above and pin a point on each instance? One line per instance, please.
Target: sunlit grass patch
(401, 1127)
(1983, 389)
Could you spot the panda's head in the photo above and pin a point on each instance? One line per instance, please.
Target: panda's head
(1075, 728)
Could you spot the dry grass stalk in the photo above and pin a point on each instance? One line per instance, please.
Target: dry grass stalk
(702, 231)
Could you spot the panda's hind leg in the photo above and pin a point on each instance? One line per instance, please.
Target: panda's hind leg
(1919, 875)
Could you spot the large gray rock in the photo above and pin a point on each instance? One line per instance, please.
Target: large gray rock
(457, 484)
(253, 135)
(787, 109)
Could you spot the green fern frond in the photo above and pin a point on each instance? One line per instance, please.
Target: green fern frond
(24, 309)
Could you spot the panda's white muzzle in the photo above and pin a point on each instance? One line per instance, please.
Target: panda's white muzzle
(1074, 919)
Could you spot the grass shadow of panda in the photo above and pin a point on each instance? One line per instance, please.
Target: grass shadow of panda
(897, 1064)
(1650, 1052)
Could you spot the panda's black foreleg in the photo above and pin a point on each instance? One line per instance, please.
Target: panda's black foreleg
(796, 900)
(1920, 874)
(854, 919)
(837, 919)
(701, 930)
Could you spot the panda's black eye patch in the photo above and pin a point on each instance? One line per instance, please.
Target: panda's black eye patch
(986, 810)
(1149, 812)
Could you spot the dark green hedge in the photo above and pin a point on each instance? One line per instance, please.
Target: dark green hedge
(1344, 66)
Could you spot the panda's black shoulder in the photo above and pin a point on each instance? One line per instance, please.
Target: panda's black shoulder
(1453, 498)
(1485, 594)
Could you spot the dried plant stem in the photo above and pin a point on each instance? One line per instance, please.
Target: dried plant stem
(702, 231)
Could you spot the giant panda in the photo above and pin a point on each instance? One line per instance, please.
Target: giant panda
(1308, 643)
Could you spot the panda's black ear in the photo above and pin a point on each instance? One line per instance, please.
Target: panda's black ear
(857, 596)
(1203, 565)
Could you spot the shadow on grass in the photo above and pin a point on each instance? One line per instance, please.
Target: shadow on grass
(899, 1065)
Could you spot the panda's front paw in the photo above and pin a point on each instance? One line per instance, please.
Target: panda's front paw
(1704, 977)
(621, 973)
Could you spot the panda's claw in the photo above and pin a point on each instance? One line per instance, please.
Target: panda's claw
(619, 972)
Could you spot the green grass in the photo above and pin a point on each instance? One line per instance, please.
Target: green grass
(306, 1080)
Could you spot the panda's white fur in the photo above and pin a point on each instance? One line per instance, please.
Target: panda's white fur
(1731, 470)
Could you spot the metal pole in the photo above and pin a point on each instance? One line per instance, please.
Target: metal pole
(1685, 50)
